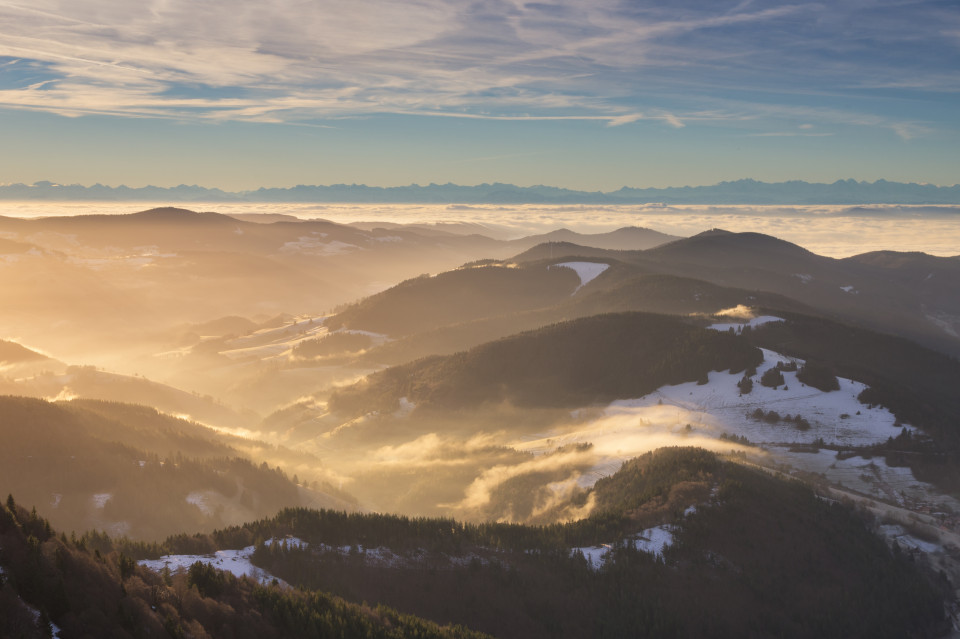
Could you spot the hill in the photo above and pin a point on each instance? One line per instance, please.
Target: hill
(907, 295)
(88, 588)
(623, 287)
(456, 296)
(741, 553)
(571, 364)
(87, 382)
(130, 469)
(13, 353)
(628, 238)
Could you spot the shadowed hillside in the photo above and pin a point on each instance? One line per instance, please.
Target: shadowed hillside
(760, 557)
(576, 363)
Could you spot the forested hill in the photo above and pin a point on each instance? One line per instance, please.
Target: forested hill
(88, 589)
(129, 468)
(752, 556)
(583, 361)
(461, 295)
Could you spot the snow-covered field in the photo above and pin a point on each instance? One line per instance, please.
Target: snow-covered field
(237, 562)
(699, 414)
(718, 407)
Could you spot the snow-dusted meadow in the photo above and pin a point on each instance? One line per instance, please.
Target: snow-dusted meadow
(693, 414)
(236, 562)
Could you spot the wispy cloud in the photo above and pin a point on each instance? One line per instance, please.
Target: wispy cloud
(789, 134)
(616, 63)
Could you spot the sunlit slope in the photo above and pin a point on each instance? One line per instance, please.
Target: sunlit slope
(456, 296)
(129, 469)
(13, 353)
(87, 382)
(96, 289)
(576, 363)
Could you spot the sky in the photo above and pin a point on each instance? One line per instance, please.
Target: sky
(589, 95)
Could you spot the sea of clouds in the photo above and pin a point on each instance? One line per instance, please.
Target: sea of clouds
(835, 231)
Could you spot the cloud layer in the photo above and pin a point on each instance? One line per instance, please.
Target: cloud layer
(835, 231)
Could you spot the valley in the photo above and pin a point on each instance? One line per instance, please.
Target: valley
(428, 404)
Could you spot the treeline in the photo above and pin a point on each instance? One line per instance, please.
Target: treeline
(583, 361)
(88, 592)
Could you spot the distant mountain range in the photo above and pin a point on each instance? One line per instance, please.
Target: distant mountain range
(745, 191)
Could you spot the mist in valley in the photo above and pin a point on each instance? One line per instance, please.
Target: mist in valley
(272, 338)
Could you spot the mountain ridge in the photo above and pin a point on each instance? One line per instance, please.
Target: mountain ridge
(744, 191)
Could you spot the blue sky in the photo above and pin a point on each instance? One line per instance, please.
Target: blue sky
(586, 95)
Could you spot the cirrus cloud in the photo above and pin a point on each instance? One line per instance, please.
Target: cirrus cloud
(292, 61)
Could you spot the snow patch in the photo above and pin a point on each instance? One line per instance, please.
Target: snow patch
(586, 271)
(201, 499)
(289, 541)
(804, 278)
(378, 338)
(693, 414)
(313, 246)
(718, 406)
(54, 628)
(652, 540)
(850, 289)
(406, 407)
(100, 500)
(947, 323)
(752, 323)
(896, 533)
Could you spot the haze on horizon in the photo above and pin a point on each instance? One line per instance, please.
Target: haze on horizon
(591, 96)
(832, 231)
